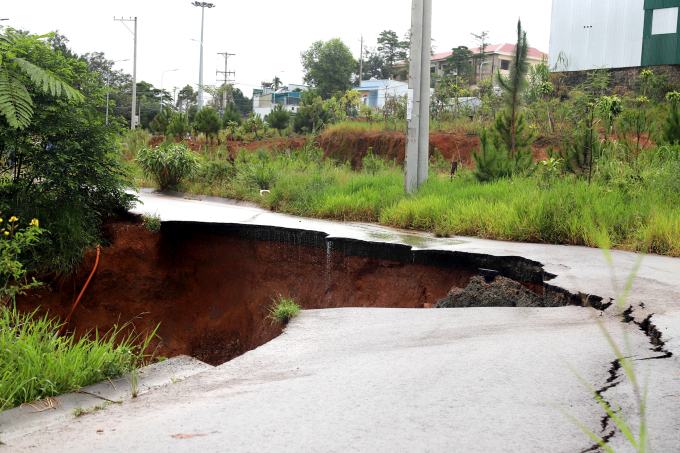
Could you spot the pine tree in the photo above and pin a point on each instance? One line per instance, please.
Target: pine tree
(511, 120)
(671, 128)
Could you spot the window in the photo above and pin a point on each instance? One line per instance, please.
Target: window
(665, 21)
(505, 65)
(432, 69)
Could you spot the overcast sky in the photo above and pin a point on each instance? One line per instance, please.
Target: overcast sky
(267, 36)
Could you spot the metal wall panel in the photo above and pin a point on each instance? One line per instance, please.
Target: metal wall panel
(597, 33)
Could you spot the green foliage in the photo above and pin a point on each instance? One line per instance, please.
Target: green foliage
(18, 75)
(167, 164)
(259, 175)
(329, 67)
(579, 157)
(459, 61)
(510, 124)
(179, 126)
(372, 163)
(311, 115)
(253, 124)
(391, 50)
(161, 122)
(279, 118)
(670, 130)
(36, 363)
(208, 122)
(62, 167)
(231, 115)
(152, 222)
(493, 161)
(13, 242)
(283, 309)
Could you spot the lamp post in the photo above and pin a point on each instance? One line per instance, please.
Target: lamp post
(203, 6)
(169, 70)
(108, 76)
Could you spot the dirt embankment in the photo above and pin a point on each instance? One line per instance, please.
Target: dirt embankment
(354, 147)
(210, 293)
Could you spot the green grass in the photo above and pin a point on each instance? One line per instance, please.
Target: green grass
(283, 309)
(36, 363)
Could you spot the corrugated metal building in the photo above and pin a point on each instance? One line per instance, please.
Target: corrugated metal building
(614, 33)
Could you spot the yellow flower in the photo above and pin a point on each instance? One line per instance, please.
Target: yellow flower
(13, 219)
(6, 233)
(0, 220)
(35, 223)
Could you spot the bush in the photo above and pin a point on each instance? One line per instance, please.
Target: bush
(168, 164)
(214, 171)
(14, 242)
(260, 175)
(283, 310)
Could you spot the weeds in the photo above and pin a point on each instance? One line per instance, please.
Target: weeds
(36, 363)
(283, 309)
(79, 411)
(168, 164)
(152, 222)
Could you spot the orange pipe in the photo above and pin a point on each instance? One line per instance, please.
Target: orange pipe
(82, 291)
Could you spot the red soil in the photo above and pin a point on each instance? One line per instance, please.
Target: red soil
(354, 147)
(210, 293)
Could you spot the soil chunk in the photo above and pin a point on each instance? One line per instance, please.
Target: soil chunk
(495, 292)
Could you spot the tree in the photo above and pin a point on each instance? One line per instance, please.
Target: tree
(186, 98)
(179, 126)
(231, 114)
(329, 67)
(391, 49)
(60, 166)
(277, 83)
(17, 74)
(374, 65)
(459, 61)
(208, 122)
(279, 118)
(312, 113)
(510, 122)
(481, 41)
(161, 122)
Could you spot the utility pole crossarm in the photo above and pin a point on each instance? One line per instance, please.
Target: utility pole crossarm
(133, 117)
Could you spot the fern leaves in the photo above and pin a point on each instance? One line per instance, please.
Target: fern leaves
(15, 101)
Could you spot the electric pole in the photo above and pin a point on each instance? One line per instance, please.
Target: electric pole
(361, 61)
(203, 6)
(418, 108)
(133, 117)
(226, 74)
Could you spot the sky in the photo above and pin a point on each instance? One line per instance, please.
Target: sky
(266, 36)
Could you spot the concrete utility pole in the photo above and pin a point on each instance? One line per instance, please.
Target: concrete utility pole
(418, 109)
(226, 74)
(203, 6)
(133, 117)
(361, 61)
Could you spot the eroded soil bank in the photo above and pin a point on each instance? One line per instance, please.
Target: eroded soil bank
(210, 286)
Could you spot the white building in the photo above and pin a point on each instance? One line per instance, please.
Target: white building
(265, 99)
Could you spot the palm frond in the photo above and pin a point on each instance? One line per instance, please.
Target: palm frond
(15, 102)
(49, 81)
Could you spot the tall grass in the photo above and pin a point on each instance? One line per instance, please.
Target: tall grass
(630, 204)
(36, 363)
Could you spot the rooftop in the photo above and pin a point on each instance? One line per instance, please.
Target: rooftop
(503, 49)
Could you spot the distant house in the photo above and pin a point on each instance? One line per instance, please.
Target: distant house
(615, 34)
(265, 99)
(498, 56)
(375, 92)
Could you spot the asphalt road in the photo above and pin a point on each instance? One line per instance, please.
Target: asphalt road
(393, 380)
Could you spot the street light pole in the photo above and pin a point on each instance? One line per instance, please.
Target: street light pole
(108, 77)
(169, 70)
(203, 6)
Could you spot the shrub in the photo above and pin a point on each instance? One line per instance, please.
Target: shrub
(208, 122)
(279, 118)
(214, 171)
(14, 242)
(260, 175)
(371, 163)
(283, 309)
(168, 164)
